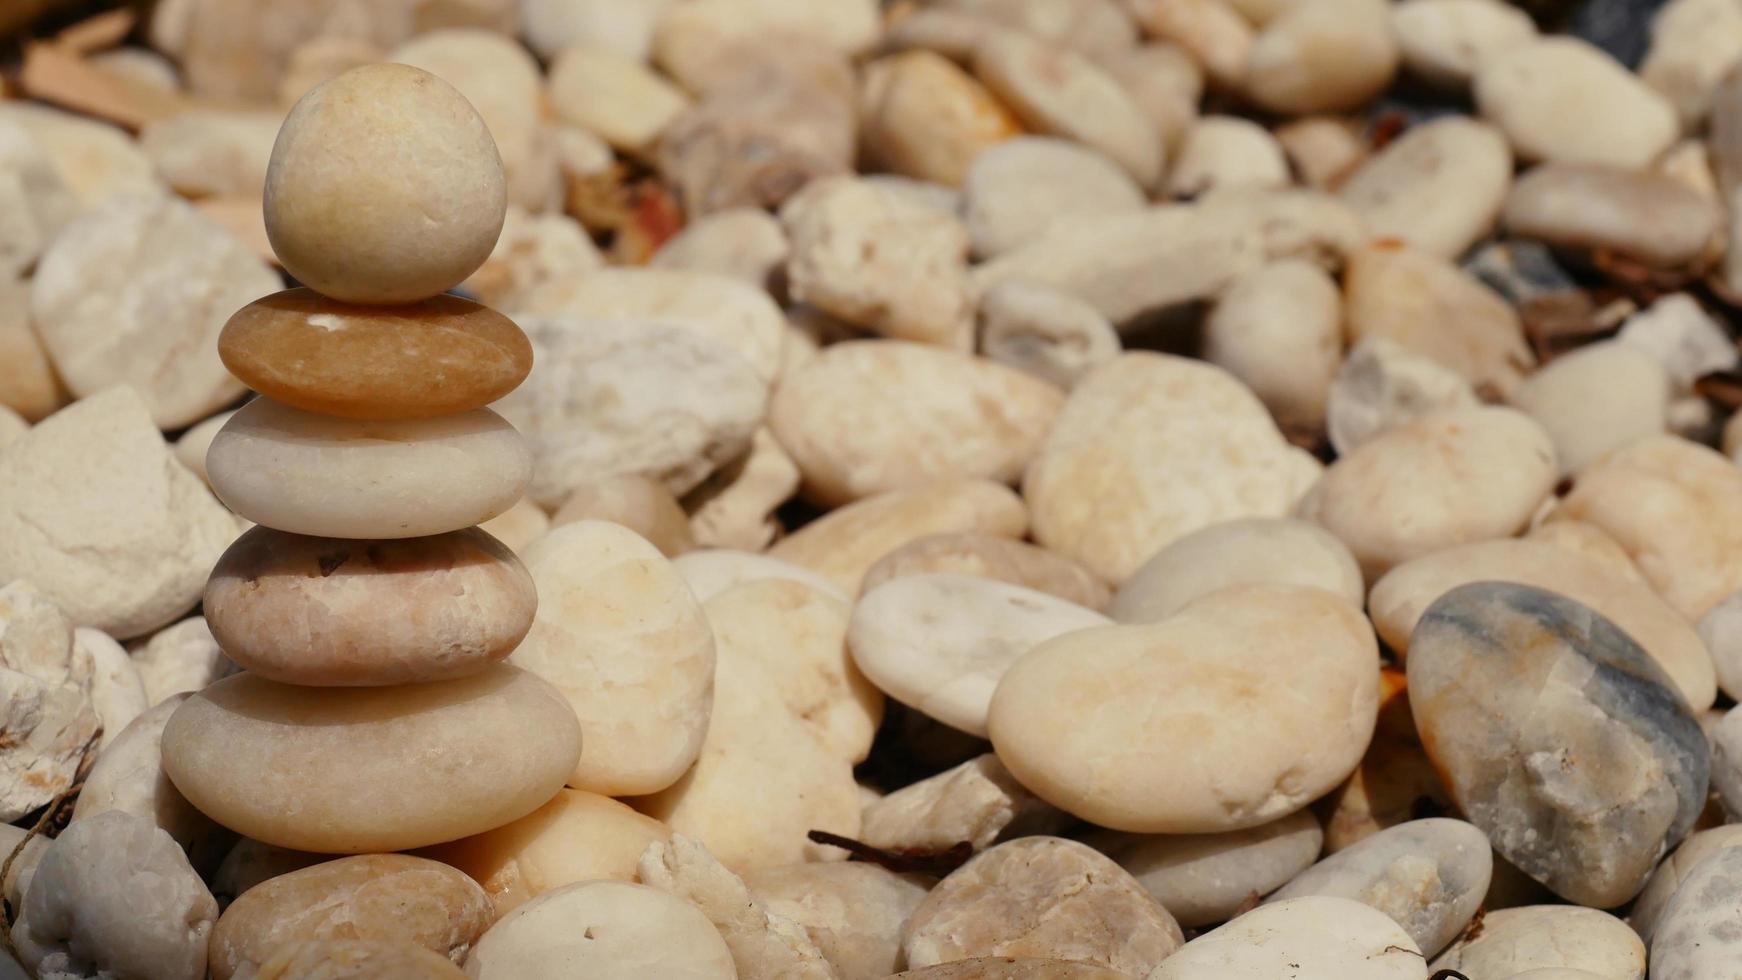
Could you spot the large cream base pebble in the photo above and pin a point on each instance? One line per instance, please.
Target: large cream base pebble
(1313, 938)
(343, 478)
(598, 929)
(346, 771)
(1132, 727)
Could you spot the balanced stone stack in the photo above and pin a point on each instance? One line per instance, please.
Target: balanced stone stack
(369, 611)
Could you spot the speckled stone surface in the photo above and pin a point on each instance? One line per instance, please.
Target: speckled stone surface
(1558, 736)
(1700, 935)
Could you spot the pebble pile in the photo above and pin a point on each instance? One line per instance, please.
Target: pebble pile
(857, 490)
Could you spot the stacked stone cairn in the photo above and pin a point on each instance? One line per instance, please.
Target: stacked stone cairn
(369, 611)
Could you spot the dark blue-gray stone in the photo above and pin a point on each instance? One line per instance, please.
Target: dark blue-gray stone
(1557, 736)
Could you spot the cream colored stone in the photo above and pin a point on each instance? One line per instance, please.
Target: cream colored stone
(1447, 479)
(720, 308)
(1322, 56)
(391, 897)
(1250, 551)
(879, 261)
(135, 293)
(48, 720)
(1691, 561)
(1436, 309)
(1166, 83)
(799, 635)
(1236, 644)
(1043, 897)
(763, 943)
(1153, 260)
(635, 502)
(37, 202)
(1279, 329)
(923, 117)
(113, 896)
(96, 514)
(1046, 333)
(1683, 337)
(1596, 399)
(1650, 905)
(12, 425)
(1399, 599)
(1323, 150)
(614, 96)
(345, 478)
(1203, 879)
(318, 59)
(1588, 541)
(744, 243)
(1314, 938)
(190, 450)
(940, 642)
(734, 507)
(1141, 455)
(1226, 151)
(998, 559)
(1649, 218)
(138, 66)
(631, 396)
(843, 544)
(1012, 968)
(852, 912)
(519, 525)
(98, 162)
(1694, 43)
(355, 959)
(117, 693)
(595, 928)
(978, 801)
(1055, 90)
(1443, 41)
(180, 659)
(211, 152)
(577, 836)
(711, 571)
(250, 863)
(1564, 100)
(622, 638)
(549, 26)
(1212, 31)
(866, 417)
(502, 81)
(384, 187)
(697, 41)
(532, 251)
(345, 770)
(1536, 937)
(1023, 187)
(1438, 187)
(1383, 384)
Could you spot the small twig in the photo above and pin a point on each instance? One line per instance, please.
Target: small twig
(50, 814)
(934, 863)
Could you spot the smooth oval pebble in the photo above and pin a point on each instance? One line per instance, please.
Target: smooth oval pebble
(355, 959)
(1251, 551)
(619, 634)
(1557, 735)
(1544, 937)
(1012, 968)
(1700, 935)
(711, 571)
(1646, 217)
(941, 642)
(1312, 938)
(852, 911)
(577, 836)
(1308, 657)
(602, 929)
(1648, 908)
(335, 612)
(1438, 187)
(1044, 897)
(353, 770)
(1597, 399)
(983, 555)
(392, 897)
(1448, 479)
(1203, 879)
(1428, 875)
(434, 357)
(1564, 99)
(863, 417)
(344, 478)
(1399, 599)
(384, 187)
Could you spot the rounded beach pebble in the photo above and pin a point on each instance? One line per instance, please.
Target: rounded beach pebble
(384, 187)
(435, 357)
(352, 770)
(602, 929)
(1300, 665)
(344, 478)
(1313, 938)
(338, 612)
